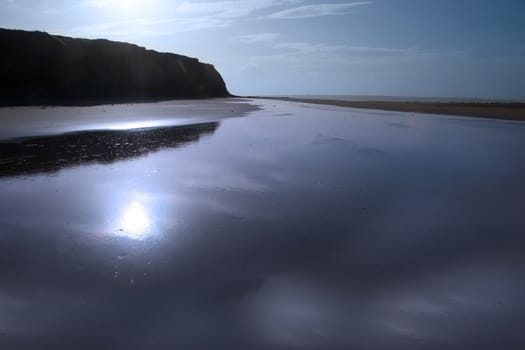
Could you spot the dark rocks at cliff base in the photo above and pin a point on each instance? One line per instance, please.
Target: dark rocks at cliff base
(39, 68)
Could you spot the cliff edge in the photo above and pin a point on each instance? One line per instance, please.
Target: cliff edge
(39, 68)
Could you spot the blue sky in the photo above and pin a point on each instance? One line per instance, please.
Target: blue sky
(445, 48)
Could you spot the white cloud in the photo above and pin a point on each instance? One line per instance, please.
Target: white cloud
(188, 16)
(95, 3)
(136, 27)
(229, 9)
(257, 38)
(184, 17)
(312, 54)
(145, 27)
(317, 10)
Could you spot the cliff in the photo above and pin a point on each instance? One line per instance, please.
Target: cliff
(38, 68)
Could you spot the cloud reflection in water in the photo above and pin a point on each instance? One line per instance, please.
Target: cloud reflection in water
(277, 233)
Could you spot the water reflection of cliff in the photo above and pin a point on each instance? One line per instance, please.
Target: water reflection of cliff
(51, 153)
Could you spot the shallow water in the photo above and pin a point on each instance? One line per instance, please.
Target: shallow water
(296, 226)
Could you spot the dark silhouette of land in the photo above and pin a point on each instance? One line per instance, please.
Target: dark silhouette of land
(45, 154)
(493, 110)
(37, 68)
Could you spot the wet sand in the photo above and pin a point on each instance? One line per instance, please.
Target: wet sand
(505, 111)
(286, 226)
(48, 120)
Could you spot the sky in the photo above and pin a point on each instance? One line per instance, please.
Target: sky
(419, 48)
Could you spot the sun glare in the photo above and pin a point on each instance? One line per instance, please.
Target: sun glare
(135, 221)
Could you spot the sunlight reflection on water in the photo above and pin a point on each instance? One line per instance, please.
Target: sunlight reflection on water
(137, 125)
(135, 221)
(327, 228)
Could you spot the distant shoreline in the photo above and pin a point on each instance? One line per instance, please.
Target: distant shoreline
(492, 110)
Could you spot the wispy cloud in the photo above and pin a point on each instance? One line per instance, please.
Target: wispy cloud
(136, 27)
(95, 3)
(319, 53)
(183, 17)
(229, 9)
(188, 16)
(317, 10)
(257, 38)
(145, 27)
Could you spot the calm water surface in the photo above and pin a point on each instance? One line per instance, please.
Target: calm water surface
(294, 227)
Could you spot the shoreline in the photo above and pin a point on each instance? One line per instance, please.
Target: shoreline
(93, 102)
(25, 121)
(491, 110)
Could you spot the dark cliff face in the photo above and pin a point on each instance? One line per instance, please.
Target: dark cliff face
(36, 67)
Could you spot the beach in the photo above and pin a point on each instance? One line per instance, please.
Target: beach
(263, 224)
(27, 121)
(493, 110)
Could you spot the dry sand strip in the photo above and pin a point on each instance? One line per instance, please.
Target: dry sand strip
(497, 110)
